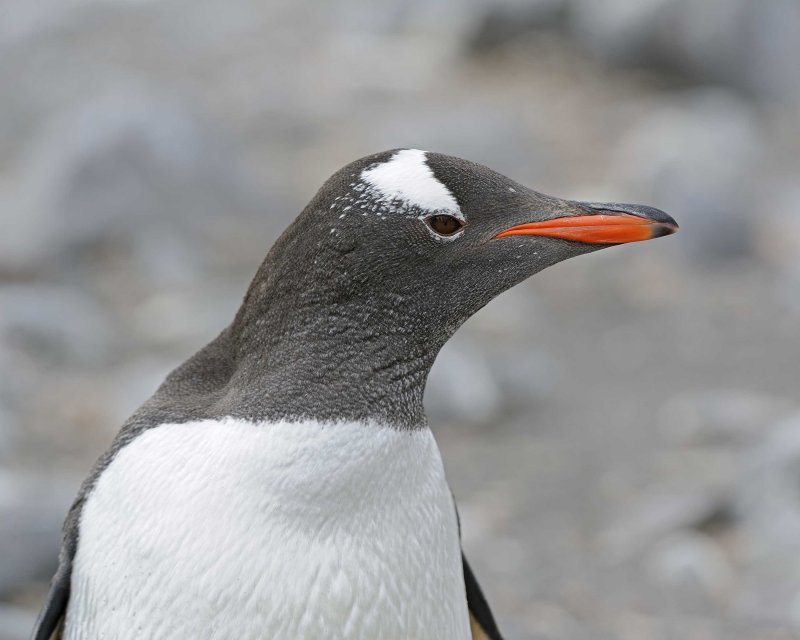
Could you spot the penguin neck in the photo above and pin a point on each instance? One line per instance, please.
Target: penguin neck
(318, 356)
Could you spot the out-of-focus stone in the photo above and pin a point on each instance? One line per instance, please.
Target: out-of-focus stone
(126, 172)
(132, 383)
(688, 156)
(500, 142)
(770, 67)
(722, 416)
(512, 316)
(505, 22)
(769, 500)
(694, 571)
(491, 366)
(794, 613)
(525, 376)
(748, 44)
(551, 620)
(9, 432)
(620, 30)
(657, 517)
(779, 237)
(16, 623)
(30, 531)
(182, 316)
(461, 386)
(789, 285)
(768, 506)
(55, 324)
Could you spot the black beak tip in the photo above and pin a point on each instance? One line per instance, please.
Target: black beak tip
(663, 229)
(665, 226)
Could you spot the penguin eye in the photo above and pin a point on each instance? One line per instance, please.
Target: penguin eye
(444, 225)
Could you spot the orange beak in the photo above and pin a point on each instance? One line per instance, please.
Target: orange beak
(608, 227)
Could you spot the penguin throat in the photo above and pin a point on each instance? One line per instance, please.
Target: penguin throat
(361, 362)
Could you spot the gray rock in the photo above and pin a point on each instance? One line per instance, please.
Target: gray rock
(55, 325)
(173, 317)
(9, 432)
(490, 368)
(17, 379)
(500, 141)
(461, 387)
(505, 22)
(794, 614)
(102, 173)
(30, 531)
(622, 30)
(658, 517)
(130, 384)
(688, 156)
(719, 416)
(525, 376)
(789, 285)
(770, 65)
(768, 499)
(779, 237)
(768, 506)
(747, 44)
(692, 569)
(16, 623)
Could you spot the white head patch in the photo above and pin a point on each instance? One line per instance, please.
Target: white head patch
(406, 176)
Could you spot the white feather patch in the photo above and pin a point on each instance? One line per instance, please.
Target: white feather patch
(407, 176)
(229, 529)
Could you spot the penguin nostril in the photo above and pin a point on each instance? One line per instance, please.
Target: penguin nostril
(445, 225)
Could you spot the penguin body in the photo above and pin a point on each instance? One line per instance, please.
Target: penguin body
(283, 481)
(273, 530)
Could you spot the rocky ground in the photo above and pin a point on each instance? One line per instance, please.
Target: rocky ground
(622, 431)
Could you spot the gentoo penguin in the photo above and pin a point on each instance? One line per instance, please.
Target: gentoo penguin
(283, 482)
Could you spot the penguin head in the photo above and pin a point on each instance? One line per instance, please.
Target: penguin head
(427, 239)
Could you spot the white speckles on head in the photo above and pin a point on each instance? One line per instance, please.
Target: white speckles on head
(408, 178)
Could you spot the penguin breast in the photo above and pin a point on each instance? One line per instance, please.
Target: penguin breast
(221, 529)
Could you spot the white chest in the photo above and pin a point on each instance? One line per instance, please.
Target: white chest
(218, 530)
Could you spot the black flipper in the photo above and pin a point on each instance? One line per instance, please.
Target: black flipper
(478, 607)
(49, 623)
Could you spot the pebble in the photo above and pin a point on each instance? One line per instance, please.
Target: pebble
(31, 516)
(55, 324)
(461, 387)
(719, 417)
(692, 569)
(16, 623)
(768, 500)
(688, 154)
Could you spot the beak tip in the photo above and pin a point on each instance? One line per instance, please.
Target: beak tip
(663, 229)
(663, 223)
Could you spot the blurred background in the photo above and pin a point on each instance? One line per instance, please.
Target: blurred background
(622, 431)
